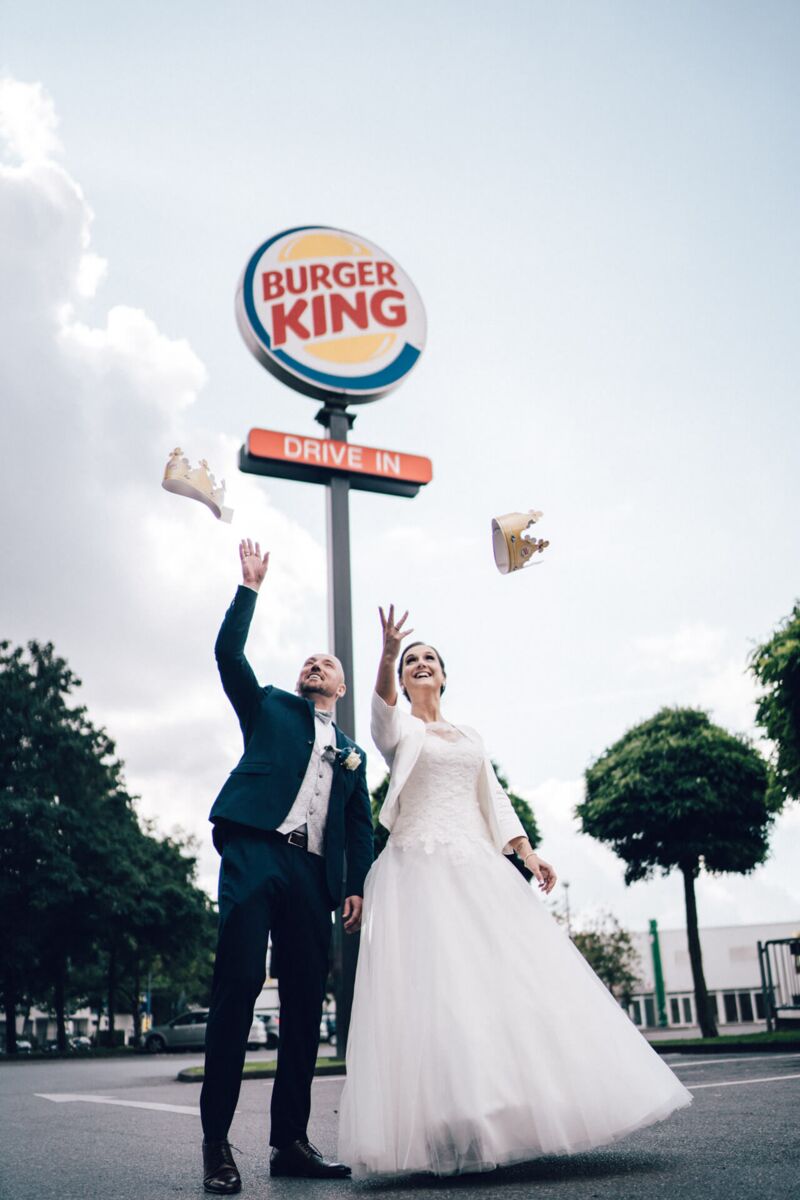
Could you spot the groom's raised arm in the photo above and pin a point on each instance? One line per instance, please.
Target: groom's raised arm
(238, 679)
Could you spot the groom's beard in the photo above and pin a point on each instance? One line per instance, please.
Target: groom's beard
(309, 690)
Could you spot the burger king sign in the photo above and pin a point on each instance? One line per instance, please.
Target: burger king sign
(330, 314)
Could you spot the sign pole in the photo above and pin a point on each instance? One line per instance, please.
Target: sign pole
(299, 291)
(340, 628)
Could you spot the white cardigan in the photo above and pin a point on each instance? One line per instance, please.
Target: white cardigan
(399, 737)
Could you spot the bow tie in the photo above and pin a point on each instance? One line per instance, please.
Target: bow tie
(325, 717)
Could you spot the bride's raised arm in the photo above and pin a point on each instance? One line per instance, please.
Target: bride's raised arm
(385, 721)
(393, 634)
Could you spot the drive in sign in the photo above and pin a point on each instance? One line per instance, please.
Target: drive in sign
(330, 314)
(316, 460)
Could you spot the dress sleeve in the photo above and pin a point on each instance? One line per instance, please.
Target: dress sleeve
(385, 727)
(508, 822)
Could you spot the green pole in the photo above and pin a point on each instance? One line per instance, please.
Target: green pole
(658, 975)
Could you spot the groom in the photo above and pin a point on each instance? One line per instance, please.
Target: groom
(294, 804)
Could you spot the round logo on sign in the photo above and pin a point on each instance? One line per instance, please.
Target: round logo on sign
(330, 314)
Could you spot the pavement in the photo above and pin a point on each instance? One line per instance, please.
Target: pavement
(126, 1129)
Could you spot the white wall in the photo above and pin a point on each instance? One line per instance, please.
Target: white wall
(730, 955)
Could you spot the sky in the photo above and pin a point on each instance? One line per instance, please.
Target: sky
(598, 205)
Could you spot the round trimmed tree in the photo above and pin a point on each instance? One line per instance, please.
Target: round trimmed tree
(678, 792)
(776, 666)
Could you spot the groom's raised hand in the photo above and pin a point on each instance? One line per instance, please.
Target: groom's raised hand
(351, 913)
(254, 567)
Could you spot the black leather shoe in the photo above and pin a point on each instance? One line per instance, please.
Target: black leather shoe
(302, 1159)
(220, 1173)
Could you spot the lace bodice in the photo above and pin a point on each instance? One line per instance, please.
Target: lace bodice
(438, 806)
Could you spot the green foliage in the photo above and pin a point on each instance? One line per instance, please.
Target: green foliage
(610, 952)
(380, 832)
(89, 900)
(776, 666)
(678, 791)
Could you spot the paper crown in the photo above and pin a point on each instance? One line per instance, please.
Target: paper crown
(513, 550)
(195, 482)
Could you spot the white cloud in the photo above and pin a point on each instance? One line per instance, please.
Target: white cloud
(688, 645)
(92, 270)
(697, 665)
(28, 121)
(129, 581)
(729, 692)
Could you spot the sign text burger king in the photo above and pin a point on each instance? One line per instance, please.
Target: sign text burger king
(330, 313)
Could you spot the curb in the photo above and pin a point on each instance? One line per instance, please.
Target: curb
(715, 1047)
(197, 1074)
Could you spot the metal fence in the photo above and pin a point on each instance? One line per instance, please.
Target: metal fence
(779, 962)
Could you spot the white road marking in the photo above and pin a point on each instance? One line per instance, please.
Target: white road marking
(740, 1058)
(70, 1097)
(740, 1082)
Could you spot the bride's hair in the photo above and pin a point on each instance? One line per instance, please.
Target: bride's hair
(411, 646)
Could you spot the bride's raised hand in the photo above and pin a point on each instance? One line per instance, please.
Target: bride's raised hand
(393, 632)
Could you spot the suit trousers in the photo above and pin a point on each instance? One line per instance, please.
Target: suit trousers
(266, 886)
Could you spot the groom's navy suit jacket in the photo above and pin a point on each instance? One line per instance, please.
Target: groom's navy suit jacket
(278, 730)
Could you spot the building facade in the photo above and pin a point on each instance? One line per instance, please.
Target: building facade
(730, 966)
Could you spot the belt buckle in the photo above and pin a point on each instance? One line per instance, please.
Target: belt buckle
(296, 838)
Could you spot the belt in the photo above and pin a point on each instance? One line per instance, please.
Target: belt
(298, 837)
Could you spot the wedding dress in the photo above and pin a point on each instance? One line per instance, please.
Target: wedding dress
(479, 1035)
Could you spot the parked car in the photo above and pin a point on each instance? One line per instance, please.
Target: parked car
(23, 1046)
(272, 1025)
(188, 1032)
(75, 1045)
(327, 1028)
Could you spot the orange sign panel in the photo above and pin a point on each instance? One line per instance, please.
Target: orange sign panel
(330, 455)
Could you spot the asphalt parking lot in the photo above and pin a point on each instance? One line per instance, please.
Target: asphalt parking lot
(125, 1129)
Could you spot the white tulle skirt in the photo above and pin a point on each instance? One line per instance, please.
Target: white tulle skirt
(479, 1035)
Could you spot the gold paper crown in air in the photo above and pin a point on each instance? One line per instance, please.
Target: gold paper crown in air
(513, 549)
(195, 482)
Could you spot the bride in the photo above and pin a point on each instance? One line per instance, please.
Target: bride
(479, 1035)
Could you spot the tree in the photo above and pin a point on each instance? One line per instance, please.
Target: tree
(776, 666)
(521, 808)
(610, 952)
(169, 931)
(89, 899)
(678, 791)
(36, 876)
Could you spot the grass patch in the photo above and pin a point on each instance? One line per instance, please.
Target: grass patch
(741, 1041)
(265, 1070)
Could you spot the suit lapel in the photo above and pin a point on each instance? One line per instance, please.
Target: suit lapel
(337, 783)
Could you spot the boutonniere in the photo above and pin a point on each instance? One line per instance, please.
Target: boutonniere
(350, 759)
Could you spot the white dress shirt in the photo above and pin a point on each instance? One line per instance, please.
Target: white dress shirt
(310, 808)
